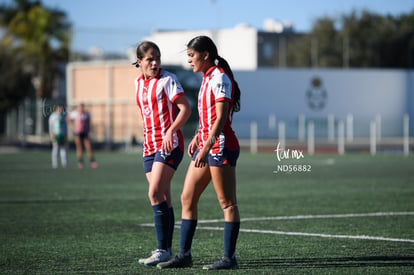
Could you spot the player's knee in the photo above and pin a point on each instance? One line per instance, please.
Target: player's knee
(155, 196)
(188, 203)
(229, 207)
(185, 201)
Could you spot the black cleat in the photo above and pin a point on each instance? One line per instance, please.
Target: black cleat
(179, 261)
(223, 263)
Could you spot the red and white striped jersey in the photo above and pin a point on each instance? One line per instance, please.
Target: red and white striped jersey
(216, 87)
(155, 98)
(81, 120)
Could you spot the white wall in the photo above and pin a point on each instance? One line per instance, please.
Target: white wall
(363, 93)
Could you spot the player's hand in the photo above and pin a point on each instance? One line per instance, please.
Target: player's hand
(201, 159)
(167, 143)
(192, 147)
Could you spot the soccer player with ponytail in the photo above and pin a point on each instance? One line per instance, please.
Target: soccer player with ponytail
(214, 151)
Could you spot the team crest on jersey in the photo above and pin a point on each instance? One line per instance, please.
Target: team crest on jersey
(147, 111)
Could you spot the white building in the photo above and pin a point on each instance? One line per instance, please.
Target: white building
(238, 46)
(244, 47)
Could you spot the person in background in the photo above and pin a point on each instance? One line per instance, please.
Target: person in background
(58, 131)
(159, 96)
(214, 151)
(80, 120)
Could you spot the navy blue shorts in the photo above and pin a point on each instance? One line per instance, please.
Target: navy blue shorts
(82, 136)
(172, 159)
(228, 157)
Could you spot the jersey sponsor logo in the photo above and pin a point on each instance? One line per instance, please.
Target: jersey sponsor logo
(221, 87)
(226, 87)
(179, 87)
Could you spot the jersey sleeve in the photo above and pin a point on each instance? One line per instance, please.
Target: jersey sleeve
(221, 87)
(173, 88)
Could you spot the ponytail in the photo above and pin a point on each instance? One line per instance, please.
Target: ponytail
(204, 43)
(221, 62)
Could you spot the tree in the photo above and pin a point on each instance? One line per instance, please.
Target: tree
(319, 48)
(379, 41)
(403, 41)
(359, 40)
(15, 84)
(365, 39)
(42, 36)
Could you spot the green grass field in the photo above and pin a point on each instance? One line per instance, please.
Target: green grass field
(351, 214)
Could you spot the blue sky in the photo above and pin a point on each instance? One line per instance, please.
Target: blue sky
(116, 25)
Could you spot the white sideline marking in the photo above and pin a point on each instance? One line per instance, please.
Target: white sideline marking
(327, 216)
(358, 237)
(299, 217)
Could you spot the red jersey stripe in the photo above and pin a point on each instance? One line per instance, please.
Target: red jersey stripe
(155, 98)
(216, 87)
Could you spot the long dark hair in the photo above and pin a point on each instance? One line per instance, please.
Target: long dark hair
(205, 44)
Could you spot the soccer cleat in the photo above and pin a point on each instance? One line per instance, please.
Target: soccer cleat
(158, 256)
(223, 263)
(142, 260)
(94, 164)
(179, 261)
(80, 165)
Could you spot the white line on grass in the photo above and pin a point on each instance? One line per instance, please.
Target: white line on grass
(327, 216)
(299, 217)
(303, 234)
